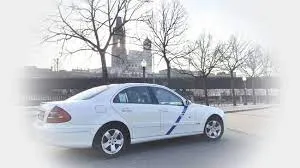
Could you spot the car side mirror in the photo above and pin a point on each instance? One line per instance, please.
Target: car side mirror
(187, 102)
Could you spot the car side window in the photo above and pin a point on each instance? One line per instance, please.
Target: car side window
(121, 97)
(136, 95)
(166, 97)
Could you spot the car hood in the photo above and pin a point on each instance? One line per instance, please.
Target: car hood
(208, 108)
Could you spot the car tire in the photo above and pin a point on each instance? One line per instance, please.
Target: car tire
(214, 128)
(111, 141)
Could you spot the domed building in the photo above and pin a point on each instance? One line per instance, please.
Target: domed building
(124, 64)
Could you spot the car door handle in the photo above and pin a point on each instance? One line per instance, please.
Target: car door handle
(163, 110)
(126, 110)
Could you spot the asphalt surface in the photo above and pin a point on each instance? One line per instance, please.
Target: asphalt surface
(245, 133)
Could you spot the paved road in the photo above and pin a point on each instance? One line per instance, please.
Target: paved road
(244, 133)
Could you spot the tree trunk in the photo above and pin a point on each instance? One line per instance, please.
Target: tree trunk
(267, 96)
(232, 88)
(168, 73)
(104, 68)
(204, 79)
(253, 91)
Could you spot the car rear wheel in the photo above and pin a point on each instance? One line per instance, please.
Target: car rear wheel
(111, 141)
(214, 128)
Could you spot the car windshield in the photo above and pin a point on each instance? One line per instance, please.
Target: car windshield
(88, 94)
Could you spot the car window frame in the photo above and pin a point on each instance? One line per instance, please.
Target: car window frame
(130, 87)
(156, 100)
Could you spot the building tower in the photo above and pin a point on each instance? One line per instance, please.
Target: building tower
(147, 55)
(119, 54)
(147, 44)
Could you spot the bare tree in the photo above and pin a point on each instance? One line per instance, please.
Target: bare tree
(254, 67)
(204, 58)
(235, 52)
(167, 25)
(91, 24)
(56, 65)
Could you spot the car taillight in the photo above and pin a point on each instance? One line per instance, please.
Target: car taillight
(58, 115)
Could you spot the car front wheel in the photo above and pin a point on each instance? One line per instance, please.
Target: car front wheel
(214, 128)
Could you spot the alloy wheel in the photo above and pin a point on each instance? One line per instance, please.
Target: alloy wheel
(213, 129)
(112, 141)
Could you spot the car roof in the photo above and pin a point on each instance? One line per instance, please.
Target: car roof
(121, 85)
(114, 88)
(117, 87)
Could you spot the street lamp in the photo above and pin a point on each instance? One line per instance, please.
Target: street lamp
(245, 91)
(144, 64)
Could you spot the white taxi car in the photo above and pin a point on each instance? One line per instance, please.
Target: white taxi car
(108, 118)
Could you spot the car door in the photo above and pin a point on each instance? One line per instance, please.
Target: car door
(176, 118)
(135, 105)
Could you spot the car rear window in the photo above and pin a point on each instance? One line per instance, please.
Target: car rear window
(90, 93)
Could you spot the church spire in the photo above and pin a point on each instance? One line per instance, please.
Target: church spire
(147, 44)
(118, 44)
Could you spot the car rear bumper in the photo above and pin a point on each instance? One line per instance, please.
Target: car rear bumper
(69, 136)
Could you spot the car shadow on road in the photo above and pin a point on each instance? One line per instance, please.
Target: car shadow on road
(176, 152)
(136, 149)
(169, 144)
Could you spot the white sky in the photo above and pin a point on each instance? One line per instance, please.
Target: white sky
(221, 18)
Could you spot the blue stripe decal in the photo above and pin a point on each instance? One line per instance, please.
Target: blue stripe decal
(177, 121)
(170, 130)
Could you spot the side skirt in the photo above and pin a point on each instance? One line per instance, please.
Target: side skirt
(155, 138)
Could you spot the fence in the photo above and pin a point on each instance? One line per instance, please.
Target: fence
(36, 90)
